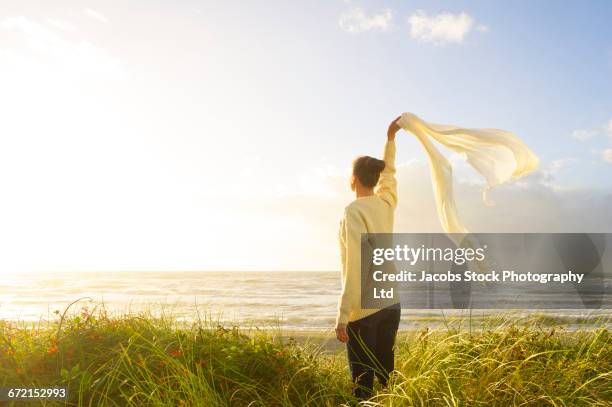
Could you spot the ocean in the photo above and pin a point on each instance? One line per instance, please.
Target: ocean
(289, 300)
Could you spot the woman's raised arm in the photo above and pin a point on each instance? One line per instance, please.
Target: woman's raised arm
(386, 188)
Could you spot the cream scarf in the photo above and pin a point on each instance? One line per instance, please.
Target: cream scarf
(499, 156)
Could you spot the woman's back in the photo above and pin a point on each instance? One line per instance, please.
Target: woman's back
(367, 214)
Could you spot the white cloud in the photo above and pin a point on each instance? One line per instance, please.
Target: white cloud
(586, 134)
(440, 29)
(62, 56)
(95, 15)
(583, 135)
(559, 164)
(605, 129)
(356, 20)
(546, 175)
(62, 25)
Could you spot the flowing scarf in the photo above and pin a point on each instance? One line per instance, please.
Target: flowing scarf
(499, 156)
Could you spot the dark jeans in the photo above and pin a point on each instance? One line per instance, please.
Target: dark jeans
(370, 349)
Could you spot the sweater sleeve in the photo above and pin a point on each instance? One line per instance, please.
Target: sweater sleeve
(350, 299)
(386, 188)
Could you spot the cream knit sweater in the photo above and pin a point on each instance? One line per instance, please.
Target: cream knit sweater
(371, 214)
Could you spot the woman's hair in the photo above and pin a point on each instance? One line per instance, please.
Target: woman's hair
(367, 170)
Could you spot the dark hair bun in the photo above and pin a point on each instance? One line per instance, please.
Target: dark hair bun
(367, 170)
(375, 165)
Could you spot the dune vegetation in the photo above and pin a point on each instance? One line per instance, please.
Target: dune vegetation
(142, 360)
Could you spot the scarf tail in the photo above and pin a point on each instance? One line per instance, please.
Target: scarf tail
(497, 155)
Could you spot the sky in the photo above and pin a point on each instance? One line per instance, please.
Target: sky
(207, 135)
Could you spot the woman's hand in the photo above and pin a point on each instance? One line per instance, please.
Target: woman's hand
(341, 333)
(393, 129)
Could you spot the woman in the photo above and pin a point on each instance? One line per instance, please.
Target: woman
(368, 333)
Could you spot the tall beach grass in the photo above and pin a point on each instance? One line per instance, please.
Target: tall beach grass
(146, 360)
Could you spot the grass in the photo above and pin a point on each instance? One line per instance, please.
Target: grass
(141, 360)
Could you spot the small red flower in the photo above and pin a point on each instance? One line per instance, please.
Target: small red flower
(53, 349)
